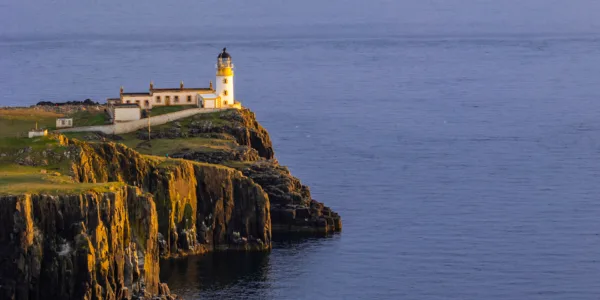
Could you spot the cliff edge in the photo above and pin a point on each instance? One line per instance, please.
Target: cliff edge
(87, 216)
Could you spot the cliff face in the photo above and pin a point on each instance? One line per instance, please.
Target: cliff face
(81, 246)
(242, 125)
(292, 207)
(106, 244)
(201, 207)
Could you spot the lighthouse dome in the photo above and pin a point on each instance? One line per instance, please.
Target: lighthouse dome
(224, 54)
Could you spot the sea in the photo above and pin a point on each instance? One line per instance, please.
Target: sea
(458, 140)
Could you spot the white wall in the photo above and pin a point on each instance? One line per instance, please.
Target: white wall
(33, 134)
(153, 101)
(209, 103)
(221, 87)
(123, 114)
(137, 99)
(181, 94)
(127, 127)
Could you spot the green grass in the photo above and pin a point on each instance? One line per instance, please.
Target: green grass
(161, 147)
(12, 151)
(88, 118)
(76, 135)
(214, 117)
(17, 122)
(9, 144)
(16, 179)
(161, 110)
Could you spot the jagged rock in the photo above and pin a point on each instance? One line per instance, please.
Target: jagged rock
(187, 193)
(50, 254)
(243, 126)
(241, 153)
(106, 246)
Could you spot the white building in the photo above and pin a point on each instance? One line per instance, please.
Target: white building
(221, 97)
(37, 132)
(64, 122)
(209, 100)
(126, 112)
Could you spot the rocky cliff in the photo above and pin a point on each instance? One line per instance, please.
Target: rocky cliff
(79, 246)
(292, 207)
(201, 207)
(106, 245)
(222, 189)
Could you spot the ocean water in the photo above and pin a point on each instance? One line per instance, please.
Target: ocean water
(459, 140)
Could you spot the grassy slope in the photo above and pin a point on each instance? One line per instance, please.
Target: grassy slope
(161, 147)
(17, 179)
(18, 122)
(161, 110)
(88, 118)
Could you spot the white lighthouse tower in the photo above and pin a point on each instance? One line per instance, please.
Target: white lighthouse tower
(224, 88)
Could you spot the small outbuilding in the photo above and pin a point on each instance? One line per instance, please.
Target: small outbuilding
(210, 101)
(126, 112)
(64, 122)
(37, 132)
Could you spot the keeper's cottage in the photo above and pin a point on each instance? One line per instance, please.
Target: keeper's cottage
(221, 96)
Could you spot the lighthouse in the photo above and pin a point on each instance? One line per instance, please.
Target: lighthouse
(224, 82)
(217, 96)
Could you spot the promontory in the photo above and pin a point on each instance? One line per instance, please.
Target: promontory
(88, 215)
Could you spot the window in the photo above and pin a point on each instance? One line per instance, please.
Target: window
(225, 93)
(225, 80)
(225, 102)
(176, 99)
(62, 122)
(167, 98)
(157, 99)
(128, 102)
(189, 99)
(146, 103)
(137, 101)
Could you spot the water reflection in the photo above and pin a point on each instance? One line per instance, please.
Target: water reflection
(216, 274)
(226, 275)
(299, 240)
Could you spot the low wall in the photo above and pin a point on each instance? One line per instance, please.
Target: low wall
(126, 127)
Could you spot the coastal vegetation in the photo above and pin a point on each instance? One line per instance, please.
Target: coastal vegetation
(209, 182)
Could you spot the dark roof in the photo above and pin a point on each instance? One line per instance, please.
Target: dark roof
(126, 105)
(181, 89)
(136, 94)
(113, 99)
(224, 54)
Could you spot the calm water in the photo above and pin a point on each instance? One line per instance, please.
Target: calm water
(459, 140)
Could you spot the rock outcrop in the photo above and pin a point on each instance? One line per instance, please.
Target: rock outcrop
(292, 207)
(201, 207)
(106, 245)
(80, 246)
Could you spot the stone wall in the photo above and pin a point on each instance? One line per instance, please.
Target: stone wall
(121, 128)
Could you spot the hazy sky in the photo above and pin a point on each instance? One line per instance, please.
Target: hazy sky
(47, 18)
